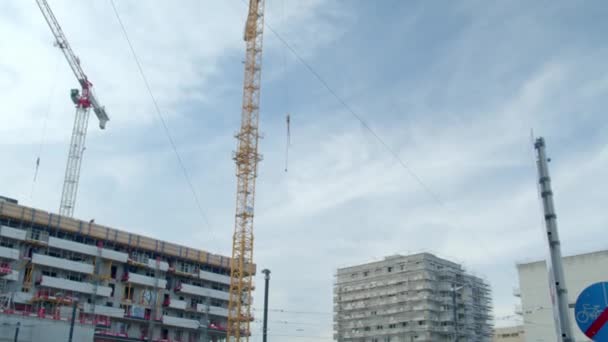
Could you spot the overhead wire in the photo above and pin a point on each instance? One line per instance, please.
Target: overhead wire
(357, 116)
(162, 119)
(286, 88)
(432, 194)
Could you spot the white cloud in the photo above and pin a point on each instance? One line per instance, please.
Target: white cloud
(462, 125)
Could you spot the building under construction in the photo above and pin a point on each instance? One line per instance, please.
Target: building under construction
(125, 287)
(418, 298)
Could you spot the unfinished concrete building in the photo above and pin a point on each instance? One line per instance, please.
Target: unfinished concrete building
(128, 287)
(418, 297)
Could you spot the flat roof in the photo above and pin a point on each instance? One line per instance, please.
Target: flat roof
(569, 257)
(90, 229)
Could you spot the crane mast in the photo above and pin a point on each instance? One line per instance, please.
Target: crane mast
(246, 158)
(84, 101)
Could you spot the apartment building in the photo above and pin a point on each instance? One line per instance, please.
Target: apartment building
(126, 287)
(418, 297)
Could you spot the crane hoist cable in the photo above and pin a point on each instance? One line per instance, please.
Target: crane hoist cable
(288, 143)
(45, 124)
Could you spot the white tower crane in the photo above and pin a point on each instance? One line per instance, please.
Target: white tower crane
(84, 101)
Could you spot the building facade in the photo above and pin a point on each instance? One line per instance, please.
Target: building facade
(580, 271)
(418, 298)
(509, 334)
(124, 286)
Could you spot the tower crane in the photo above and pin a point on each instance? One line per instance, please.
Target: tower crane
(84, 100)
(246, 158)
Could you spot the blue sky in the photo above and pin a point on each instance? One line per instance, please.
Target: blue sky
(454, 88)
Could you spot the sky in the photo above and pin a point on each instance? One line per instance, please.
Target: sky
(453, 89)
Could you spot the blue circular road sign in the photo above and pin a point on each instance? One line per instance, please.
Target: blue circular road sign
(591, 311)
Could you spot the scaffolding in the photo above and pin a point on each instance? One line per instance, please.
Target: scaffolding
(419, 295)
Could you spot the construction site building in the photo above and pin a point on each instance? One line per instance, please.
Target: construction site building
(418, 297)
(123, 285)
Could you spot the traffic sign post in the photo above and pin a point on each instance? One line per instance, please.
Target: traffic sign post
(591, 311)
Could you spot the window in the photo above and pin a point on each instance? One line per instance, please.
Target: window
(6, 243)
(109, 304)
(392, 326)
(366, 273)
(128, 293)
(389, 269)
(112, 286)
(379, 327)
(75, 277)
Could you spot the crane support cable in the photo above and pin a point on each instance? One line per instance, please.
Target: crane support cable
(161, 118)
(357, 116)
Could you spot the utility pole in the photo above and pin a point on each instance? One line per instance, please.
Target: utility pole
(557, 283)
(265, 326)
(17, 331)
(74, 305)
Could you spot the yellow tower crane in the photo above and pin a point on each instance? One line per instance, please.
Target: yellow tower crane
(246, 158)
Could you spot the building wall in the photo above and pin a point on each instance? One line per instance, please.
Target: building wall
(35, 330)
(44, 269)
(580, 272)
(410, 298)
(509, 334)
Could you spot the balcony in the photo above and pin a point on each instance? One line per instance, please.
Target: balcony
(22, 297)
(12, 275)
(175, 304)
(9, 253)
(181, 322)
(103, 310)
(162, 265)
(64, 264)
(76, 286)
(213, 310)
(141, 279)
(218, 278)
(12, 233)
(82, 248)
(201, 291)
(114, 255)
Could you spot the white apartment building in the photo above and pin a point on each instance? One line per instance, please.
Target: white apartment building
(580, 271)
(127, 287)
(417, 297)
